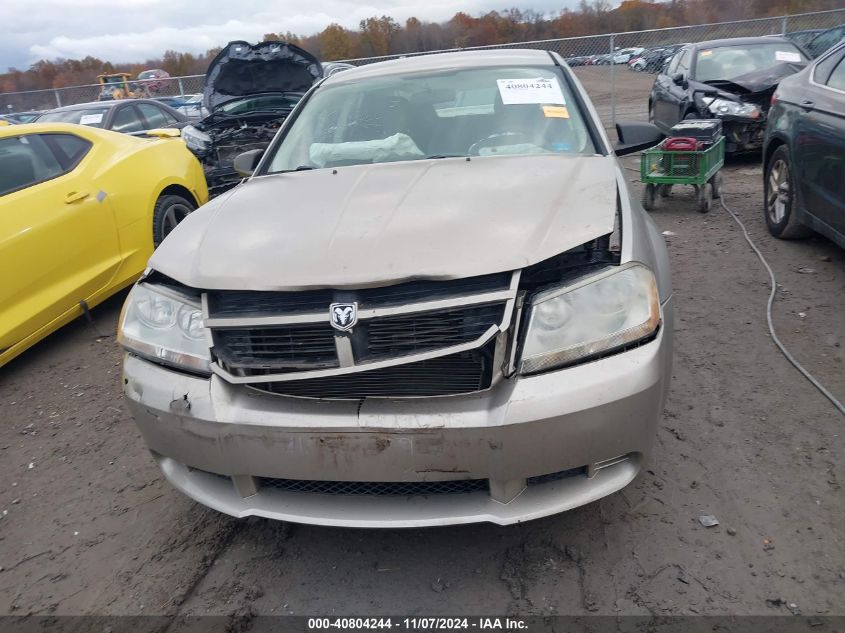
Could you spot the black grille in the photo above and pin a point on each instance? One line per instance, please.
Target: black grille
(448, 375)
(377, 488)
(237, 303)
(395, 488)
(289, 348)
(389, 337)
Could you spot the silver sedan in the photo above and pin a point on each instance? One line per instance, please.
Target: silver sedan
(433, 301)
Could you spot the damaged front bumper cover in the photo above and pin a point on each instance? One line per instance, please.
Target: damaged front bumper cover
(743, 134)
(527, 448)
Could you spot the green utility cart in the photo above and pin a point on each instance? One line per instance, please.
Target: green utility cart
(661, 169)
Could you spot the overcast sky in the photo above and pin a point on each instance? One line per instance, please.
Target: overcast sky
(135, 30)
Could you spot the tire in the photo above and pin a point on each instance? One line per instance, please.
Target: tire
(716, 181)
(779, 197)
(169, 211)
(650, 111)
(650, 199)
(705, 198)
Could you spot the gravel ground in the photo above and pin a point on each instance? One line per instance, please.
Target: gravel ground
(89, 526)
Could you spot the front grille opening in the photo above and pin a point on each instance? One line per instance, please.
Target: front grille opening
(376, 488)
(401, 335)
(562, 474)
(450, 375)
(392, 488)
(269, 349)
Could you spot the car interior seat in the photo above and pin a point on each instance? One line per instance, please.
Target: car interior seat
(16, 170)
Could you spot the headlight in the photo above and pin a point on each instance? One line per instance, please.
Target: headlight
(196, 141)
(592, 316)
(162, 325)
(722, 107)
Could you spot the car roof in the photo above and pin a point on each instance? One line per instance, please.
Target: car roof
(739, 41)
(110, 103)
(445, 61)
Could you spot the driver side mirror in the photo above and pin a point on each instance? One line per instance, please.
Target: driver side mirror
(246, 162)
(635, 136)
(679, 80)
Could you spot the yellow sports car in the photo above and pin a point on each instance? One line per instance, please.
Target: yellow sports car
(81, 210)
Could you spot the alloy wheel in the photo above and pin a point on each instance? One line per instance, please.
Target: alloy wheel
(778, 191)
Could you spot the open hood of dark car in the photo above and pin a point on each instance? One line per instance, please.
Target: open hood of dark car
(759, 80)
(242, 69)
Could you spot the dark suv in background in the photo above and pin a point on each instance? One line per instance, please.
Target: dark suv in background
(804, 153)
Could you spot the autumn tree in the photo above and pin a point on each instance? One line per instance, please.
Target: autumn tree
(336, 42)
(377, 34)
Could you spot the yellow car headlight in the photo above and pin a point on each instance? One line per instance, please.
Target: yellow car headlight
(592, 316)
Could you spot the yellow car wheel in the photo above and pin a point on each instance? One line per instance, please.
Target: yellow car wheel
(170, 210)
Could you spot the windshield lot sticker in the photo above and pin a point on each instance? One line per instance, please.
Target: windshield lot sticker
(522, 91)
(787, 56)
(706, 53)
(88, 119)
(555, 112)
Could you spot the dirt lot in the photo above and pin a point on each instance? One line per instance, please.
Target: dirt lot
(89, 526)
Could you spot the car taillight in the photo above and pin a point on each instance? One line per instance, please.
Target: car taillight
(774, 98)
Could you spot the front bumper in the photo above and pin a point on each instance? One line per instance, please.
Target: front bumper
(743, 135)
(590, 427)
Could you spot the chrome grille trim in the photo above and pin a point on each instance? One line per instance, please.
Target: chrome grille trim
(345, 357)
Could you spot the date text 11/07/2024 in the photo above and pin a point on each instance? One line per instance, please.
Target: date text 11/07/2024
(418, 624)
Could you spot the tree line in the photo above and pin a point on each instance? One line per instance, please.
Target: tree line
(383, 35)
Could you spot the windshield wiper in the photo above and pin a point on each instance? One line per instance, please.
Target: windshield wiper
(433, 156)
(300, 168)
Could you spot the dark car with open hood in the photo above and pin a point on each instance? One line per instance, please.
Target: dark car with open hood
(248, 91)
(732, 80)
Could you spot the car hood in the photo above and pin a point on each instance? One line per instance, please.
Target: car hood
(757, 81)
(372, 225)
(241, 69)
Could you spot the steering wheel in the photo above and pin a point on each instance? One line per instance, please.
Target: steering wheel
(493, 140)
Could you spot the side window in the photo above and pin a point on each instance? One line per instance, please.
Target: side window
(683, 63)
(127, 120)
(26, 161)
(154, 115)
(837, 77)
(673, 65)
(169, 118)
(823, 69)
(67, 148)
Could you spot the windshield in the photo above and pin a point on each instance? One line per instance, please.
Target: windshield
(479, 112)
(729, 62)
(258, 103)
(85, 116)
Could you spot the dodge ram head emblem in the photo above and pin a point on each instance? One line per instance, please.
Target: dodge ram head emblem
(343, 316)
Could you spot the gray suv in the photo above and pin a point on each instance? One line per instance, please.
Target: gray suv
(434, 301)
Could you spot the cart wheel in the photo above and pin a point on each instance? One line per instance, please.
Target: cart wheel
(705, 198)
(664, 191)
(716, 181)
(650, 197)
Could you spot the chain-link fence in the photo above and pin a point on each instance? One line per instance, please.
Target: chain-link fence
(182, 87)
(603, 62)
(613, 67)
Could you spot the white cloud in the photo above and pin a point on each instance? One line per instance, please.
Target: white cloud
(134, 30)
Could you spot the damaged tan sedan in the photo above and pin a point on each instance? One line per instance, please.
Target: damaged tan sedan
(434, 301)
